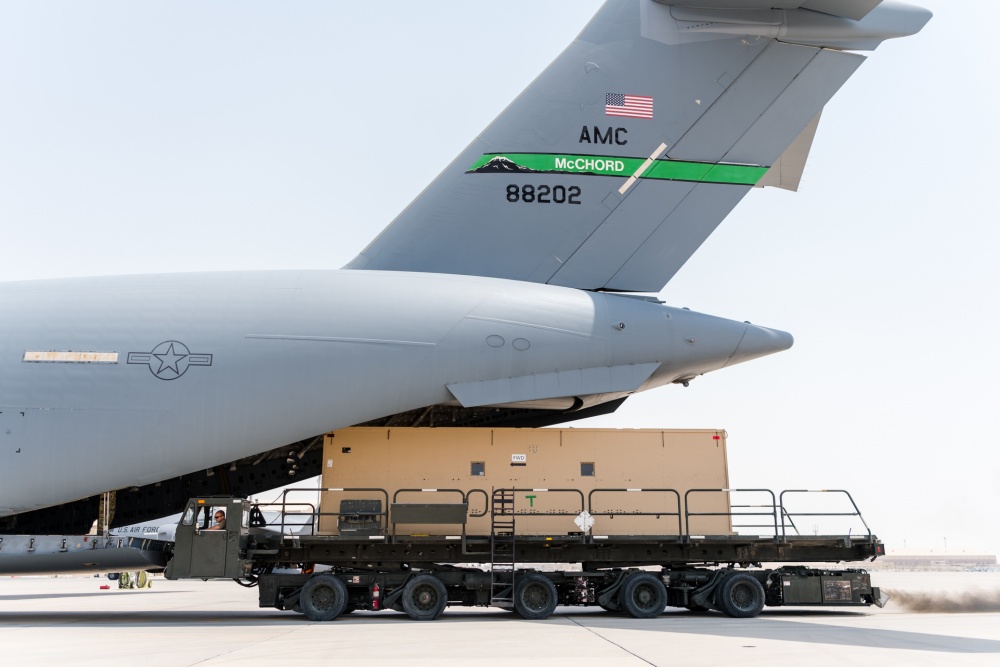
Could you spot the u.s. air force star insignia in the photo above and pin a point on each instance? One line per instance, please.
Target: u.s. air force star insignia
(169, 360)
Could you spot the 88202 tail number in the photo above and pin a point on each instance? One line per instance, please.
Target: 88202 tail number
(543, 194)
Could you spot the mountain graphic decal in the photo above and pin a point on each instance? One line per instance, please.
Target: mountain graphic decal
(501, 165)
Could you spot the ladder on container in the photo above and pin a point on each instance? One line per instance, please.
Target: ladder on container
(502, 549)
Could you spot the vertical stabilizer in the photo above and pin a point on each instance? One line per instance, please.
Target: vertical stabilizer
(615, 165)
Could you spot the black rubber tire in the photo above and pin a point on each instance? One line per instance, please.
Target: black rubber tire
(536, 596)
(424, 597)
(740, 596)
(323, 598)
(643, 595)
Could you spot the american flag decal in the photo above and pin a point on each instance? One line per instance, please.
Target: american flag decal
(629, 106)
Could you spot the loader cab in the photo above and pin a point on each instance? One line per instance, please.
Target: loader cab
(203, 549)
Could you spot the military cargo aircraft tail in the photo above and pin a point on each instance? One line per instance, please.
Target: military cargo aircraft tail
(484, 302)
(619, 160)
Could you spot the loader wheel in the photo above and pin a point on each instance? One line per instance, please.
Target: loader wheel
(424, 597)
(643, 595)
(323, 598)
(536, 597)
(740, 596)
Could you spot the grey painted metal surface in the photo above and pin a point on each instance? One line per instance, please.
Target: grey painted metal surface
(851, 9)
(710, 95)
(35, 554)
(212, 367)
(641, 136)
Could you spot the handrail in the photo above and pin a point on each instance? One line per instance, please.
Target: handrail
(524, 514)
(780, 516)
(384, 513)
(784, 515)
(856, 512)
(677, 496)
(283, 512)
(395, 496)
(772, 513)
(486, 504)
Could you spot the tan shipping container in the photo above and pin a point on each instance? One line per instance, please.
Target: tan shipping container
(622, 476)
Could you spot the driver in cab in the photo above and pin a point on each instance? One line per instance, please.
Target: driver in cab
(220, 521)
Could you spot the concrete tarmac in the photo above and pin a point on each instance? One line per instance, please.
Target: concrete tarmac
(52, 621)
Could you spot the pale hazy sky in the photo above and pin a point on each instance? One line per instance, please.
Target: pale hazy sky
(177, 136)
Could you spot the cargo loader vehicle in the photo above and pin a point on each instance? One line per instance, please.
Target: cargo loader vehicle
(632, 521)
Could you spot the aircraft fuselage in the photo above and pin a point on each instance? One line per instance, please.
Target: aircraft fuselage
(125, 381)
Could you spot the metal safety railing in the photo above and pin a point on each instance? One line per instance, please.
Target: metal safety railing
(383, 516)
(463, 497)
(531, 511)
(369, 515)
(656, 513)
(761, 509)
(284, 513)
(738, 511)
(785, 513)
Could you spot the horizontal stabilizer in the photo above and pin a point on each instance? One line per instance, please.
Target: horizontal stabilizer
(887, 20)
(848, 9)
(582, 382)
